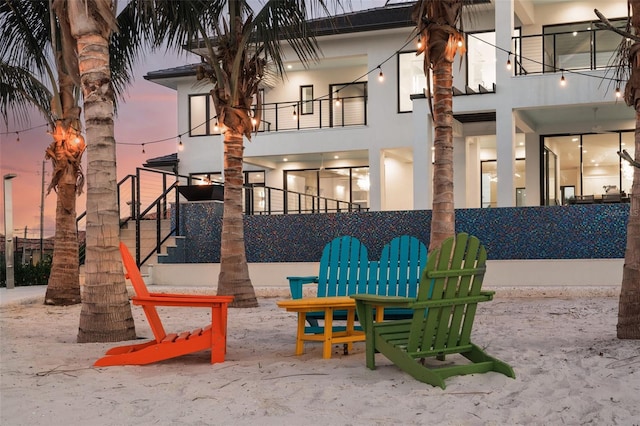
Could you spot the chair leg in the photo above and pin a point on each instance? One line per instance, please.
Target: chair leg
(477, 355)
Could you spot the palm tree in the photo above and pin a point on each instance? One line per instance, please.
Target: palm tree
(106, 312)
(39, 68)
(238, 47)
(38, 53)
(628, 60)
(436, 25)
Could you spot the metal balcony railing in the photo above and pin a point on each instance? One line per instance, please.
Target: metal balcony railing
(314, 114)
(573, 50)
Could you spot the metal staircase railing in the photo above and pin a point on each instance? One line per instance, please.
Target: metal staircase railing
(141, 189)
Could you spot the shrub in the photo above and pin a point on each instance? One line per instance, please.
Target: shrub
(28, 274)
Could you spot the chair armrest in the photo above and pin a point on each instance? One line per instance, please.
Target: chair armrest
(439, 303)
(488, 294)
(182, 300)
(296, 283)
(383, 301)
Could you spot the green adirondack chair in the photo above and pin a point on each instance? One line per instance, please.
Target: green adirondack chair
(442, 321)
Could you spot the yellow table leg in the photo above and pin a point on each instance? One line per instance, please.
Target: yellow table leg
(351, 319)
(328, 333)
(302, 318)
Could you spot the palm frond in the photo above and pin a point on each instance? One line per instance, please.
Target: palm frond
(25, 35)
(285, 20)
(19, 91)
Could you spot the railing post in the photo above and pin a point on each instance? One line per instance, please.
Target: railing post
(285, 202)
(177, 211)
(137, 216)
(158, 223)
(276, 105)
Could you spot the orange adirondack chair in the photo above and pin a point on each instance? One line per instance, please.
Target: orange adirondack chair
(165, 345)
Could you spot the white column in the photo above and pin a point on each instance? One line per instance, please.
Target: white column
(505, 121)
(505, 154)
(376, 178)
(459, 173)
(422, 155)
(8, 229)
(473, 183)
(532, 168)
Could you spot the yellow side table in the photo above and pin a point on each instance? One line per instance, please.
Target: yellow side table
(329, 337)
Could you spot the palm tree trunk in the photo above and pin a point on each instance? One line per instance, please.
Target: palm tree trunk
(234, 271)
(106, 313)
(629, 304)
(443, 215)
(63, 287)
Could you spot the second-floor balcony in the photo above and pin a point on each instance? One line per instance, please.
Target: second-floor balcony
(588, 49)
(314, 114)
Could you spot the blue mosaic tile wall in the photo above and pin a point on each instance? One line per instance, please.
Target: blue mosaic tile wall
(555, 232)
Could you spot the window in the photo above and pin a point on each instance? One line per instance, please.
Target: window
(306, 100)
(489, 182)
(411, 79)
(347, 184)
(481, 60)
(589, 164)
(202, 116)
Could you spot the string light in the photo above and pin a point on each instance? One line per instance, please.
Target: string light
(180, 145)
(295, 114)
(381, 75)
(419, 44)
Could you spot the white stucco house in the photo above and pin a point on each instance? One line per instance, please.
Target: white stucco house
(521, 137)
(537, 123)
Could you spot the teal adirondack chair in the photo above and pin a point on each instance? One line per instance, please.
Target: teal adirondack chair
(340, 274)
(443, 315)
(345, 270)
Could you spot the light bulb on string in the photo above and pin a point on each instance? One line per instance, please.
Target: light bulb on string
(618, 92)
(419, 43)
(143, 151)
(380, 75)
(295, 114)
(180, 145)
(509, 62)
(17, 136)
(563, 81)
(338, 101)
(216, 127)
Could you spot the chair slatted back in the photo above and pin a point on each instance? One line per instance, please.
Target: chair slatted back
(133, 274)
(454, 272)
(340, 267)
(401, 263)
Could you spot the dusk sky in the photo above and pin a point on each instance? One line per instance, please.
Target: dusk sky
(148, 113)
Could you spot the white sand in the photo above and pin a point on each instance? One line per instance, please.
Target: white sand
(570, 367)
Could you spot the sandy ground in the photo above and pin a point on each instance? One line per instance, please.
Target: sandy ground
(570, 367)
